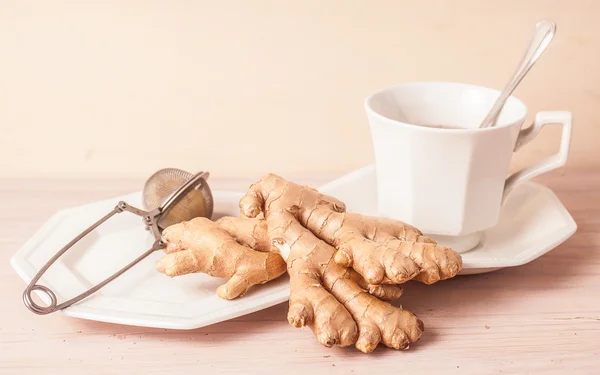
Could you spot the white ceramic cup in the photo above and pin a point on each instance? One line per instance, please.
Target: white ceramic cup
(451, 183)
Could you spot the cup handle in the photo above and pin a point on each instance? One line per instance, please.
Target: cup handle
(555, 161)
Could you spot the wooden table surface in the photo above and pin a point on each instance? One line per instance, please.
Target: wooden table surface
(540, 318)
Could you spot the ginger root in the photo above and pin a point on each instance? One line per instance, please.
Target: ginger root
(201, 245)
(318, 240)
(343, 266)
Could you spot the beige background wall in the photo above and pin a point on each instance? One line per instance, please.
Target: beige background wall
(240, 88)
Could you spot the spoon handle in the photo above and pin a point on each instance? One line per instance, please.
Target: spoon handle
(542, 35)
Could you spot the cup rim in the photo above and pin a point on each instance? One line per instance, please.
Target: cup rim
(372, 112)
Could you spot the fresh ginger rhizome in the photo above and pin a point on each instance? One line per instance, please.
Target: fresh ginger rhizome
(343, 267)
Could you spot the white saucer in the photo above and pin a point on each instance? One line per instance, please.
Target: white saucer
(533, 222)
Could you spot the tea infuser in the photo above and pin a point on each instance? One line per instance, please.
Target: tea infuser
(198, 202)
(170, 196)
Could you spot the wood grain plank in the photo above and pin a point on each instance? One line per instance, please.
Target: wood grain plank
(540, 318)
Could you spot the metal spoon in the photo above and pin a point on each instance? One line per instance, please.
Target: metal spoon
(542, 35)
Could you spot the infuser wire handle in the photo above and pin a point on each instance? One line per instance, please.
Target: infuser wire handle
(42, 310)
(150, 219)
